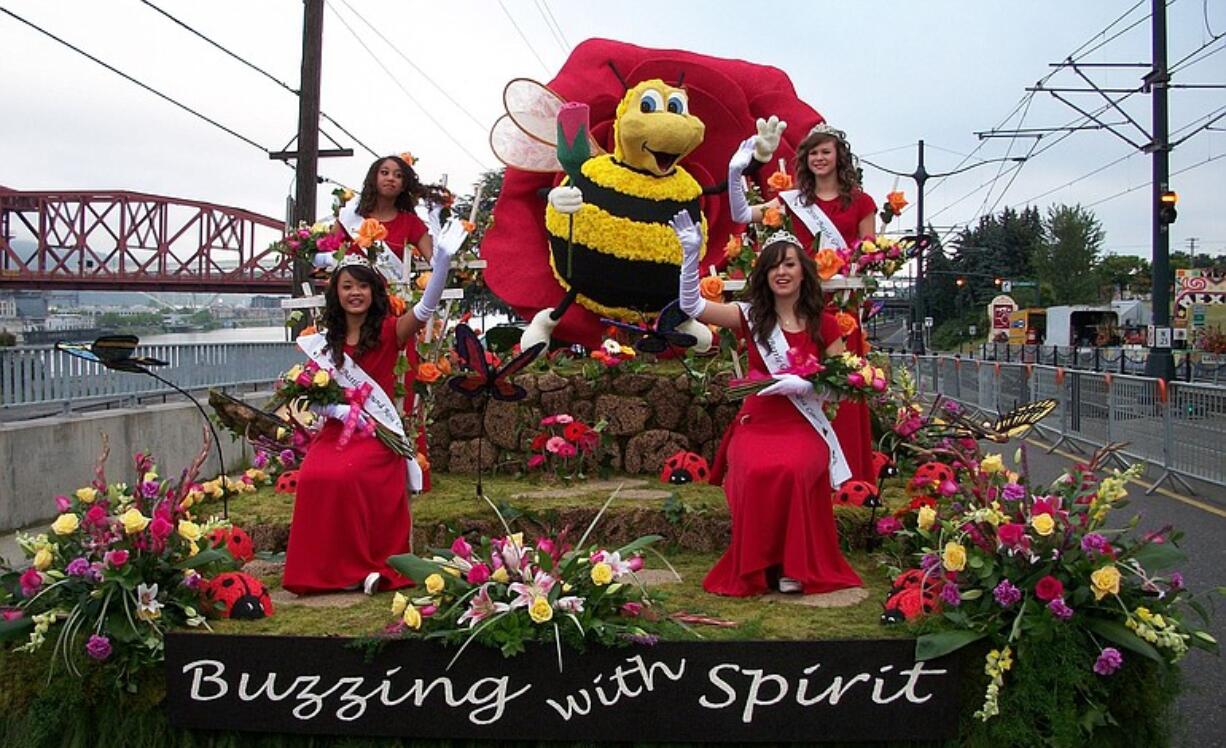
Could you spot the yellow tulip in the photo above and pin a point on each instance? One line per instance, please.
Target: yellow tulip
(321, 378)
(399, 603)
(412, 617)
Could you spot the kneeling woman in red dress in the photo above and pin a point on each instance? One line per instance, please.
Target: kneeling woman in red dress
(351, 511)
(780, 454)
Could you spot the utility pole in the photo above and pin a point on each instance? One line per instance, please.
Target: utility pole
(921, 177)
(1160, 362)
(1192, 240)
(307, 164)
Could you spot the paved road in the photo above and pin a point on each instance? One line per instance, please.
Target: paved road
(1202, 518)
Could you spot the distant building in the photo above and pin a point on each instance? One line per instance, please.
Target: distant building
(266, 302)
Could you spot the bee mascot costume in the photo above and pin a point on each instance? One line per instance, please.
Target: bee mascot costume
(602, 237)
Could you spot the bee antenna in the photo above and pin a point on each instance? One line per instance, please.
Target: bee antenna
(617, 72)
(681, 79)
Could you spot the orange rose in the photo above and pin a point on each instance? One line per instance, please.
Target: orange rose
(732, 249)
(847, 323)
(408, 158)
(422, 281)
(773, 218)
(469, 226)
(428, 373)
(396, 304)
(444, 366)
(422, 462)
(897, 202)
(712, 288)
(369, 232)
(310, 330)
(780, 181)
(828, 263)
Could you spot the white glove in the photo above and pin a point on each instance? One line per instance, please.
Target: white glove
(690, 236)
(434, 219)
(738, 203)
(566, 199)
(788, 384)
(324, 260)
(540, 330)
(448, 242)
(770, 131)
(339, 411)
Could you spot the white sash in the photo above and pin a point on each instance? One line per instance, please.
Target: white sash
(818, 223)
(378, 405)
(774, 355)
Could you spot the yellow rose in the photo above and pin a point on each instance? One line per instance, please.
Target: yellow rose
(43, 559)
(954, 557)
(87, 495)
(1106, 581)
(602, 573)
(133, 521)
(189, 531)
(500, 575)
(412, 617)
(1043, 524)
(927, 516)
(992, 464)
(321, 378)
(435, 584)
(399, 603)
(540, 610)
(193, 549)
(293, 372)
(867, 247)
(65, 524)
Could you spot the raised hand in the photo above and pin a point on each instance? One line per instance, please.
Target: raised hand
(740, 159)
(690, 236)
(447, 243)
(770, 131)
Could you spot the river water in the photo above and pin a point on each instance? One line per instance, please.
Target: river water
(273, 334)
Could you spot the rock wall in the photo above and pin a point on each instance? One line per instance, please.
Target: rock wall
(649, 416)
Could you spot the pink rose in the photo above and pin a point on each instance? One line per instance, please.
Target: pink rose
(116, 559)
(855, 380)
(160, 528)
(635, 563)
(62, 504)
(879, 384)
(479, 574)
(1049, 588)
(631, 609)
(31, 582)
(948, 488)
(1011, 534)
(461, 548)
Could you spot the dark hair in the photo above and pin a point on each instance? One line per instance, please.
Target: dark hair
(846, 168)
(336, 322)
(809, 302)
(412, 191)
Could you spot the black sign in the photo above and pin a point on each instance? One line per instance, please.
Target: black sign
(709, 691)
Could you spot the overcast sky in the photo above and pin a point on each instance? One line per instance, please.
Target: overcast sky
(889, 73)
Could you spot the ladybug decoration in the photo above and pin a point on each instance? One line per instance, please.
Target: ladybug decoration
(857, 493)
(236, 541)
(883, 466)
(287, 482)
(931, 474)
(237, 595)
(685, 467)
(911, 596)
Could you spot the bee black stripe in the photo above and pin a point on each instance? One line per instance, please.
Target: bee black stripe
(634, 208)
(616, 282)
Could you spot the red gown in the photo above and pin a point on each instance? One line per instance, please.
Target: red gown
(852, 424)
(351, 511)
(778, 490)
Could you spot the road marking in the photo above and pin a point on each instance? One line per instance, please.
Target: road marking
(1192, 502)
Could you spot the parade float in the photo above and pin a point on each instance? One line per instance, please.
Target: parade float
(558, 556)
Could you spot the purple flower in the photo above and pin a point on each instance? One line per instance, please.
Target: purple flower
(1109, 660)
(1013, 492)
(149, 489)
(888, 525)
(287, 457)
(98, 647)
(78, 567)
(951, 407)
(1006, 593)
(1095, 543)
(645, 639)
(930, 561)
(260, 459)
(1176, 580)
(950, 596)
(1060, 609)
(192, 579)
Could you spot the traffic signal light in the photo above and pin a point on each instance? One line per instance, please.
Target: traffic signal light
(998, 280)
(1166, 207)
(960, 281)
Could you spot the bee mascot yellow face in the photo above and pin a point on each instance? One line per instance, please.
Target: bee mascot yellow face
(625, 258)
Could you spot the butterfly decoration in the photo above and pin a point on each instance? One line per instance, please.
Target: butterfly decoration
(872, 309)
(482, 378)
(1011, 425)
(113, 352)
(662, 335)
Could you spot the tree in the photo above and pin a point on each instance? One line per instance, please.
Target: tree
(1119, 273)
(1072, 238)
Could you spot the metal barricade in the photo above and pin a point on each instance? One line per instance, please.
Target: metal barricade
(1137, 418)
(1197, 432)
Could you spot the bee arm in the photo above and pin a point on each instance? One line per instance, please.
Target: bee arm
(754, 167)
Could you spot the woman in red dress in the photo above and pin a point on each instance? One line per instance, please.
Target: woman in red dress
(827, 180)
(351, 509)
(779, 456)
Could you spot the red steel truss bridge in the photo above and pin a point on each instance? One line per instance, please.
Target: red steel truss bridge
(132, 241)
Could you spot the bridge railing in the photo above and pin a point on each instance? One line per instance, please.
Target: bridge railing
(44, 376)
(1179, 427)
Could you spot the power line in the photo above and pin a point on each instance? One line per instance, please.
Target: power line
(545, 16)
(1146, 184)
(415, 66)
(259, 70)
(556, 25)
(444, 130)
(522, 35)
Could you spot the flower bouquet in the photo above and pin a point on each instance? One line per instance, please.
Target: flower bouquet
(308, 385)
(561, 438)
(842, 377)
(304, 242)
(883, 255)
(120, 566)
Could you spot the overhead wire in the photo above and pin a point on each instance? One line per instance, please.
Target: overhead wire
(1136, 187)
(546, 16)
(522, 35)
(261, 71)
(556, 25)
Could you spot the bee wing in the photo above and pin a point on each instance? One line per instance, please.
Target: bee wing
(527, 137)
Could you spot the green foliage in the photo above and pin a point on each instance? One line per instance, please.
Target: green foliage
(1072, 239)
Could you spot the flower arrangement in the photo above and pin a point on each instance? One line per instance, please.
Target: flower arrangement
(611, 353)
(1018, 567)
(505, 593)
(740, 255)
(560, 441)
(121, 565)
(883, 255)
(842, 377)
(303, 242)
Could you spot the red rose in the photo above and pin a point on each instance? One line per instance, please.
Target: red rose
(1011, 534)
(1049, 588)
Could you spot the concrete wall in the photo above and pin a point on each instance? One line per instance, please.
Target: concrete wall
(42, 458)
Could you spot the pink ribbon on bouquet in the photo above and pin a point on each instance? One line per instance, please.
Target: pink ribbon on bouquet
(356, 397)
